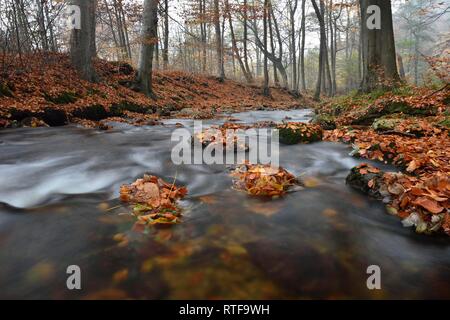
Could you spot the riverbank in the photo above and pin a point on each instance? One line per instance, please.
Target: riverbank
(409, 128)
(45, 90)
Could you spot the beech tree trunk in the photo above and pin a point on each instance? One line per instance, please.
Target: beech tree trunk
(219, 44)
(378, 48)
(166, 35)
(266, 90)
(322, 51)
(82, 41)
(149, 40)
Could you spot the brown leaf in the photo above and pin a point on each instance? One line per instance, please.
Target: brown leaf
(428, 204)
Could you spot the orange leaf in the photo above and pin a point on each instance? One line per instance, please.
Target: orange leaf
(430, 205)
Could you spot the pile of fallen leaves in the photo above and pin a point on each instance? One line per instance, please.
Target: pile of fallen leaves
(298, 132)
(428, 154)
(421, 203)
(154, 200)
(262, 180)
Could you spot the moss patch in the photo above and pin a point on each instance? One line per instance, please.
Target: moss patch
(294, 133)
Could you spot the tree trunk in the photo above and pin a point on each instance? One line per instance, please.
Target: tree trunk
(378, 48)
(166, 35)
(322, 50)
(293, 4)
(302, 49)
(219, 44)
(149, 39)
(82, 42)
(272, 48)
(234, 44)
(266, 90)
(245, 40)
(401, 68)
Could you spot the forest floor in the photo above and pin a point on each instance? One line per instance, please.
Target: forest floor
(409, 128)
(45, 90)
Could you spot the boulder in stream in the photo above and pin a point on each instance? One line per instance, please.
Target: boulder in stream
(294, 133)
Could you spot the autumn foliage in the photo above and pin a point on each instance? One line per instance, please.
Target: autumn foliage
(47, 87)
(154, 200)
(262, 180)
(416, 141)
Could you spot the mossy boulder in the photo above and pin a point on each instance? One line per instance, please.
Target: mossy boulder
(119, 108)
(385, 124)
(388, 107)
(294, 133)
(445, 123)
(325, 121)
(6, 90)
(54, 117)
(63, 98)
(366, 179)
(94, 112)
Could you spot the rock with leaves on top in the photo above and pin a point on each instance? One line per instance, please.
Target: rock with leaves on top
(297, 132)
(154, 200)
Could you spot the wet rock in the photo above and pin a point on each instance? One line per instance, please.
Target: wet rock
(325, 121)
(18, 115)
(164, 112)
(54, 117)
(366, 179)
(294, 133)
(32, 122)
(186, 112)
(63, 98)
(116, 110)
(6, 90)
(94, 112)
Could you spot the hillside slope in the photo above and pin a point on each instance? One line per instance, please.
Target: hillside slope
(46, 88)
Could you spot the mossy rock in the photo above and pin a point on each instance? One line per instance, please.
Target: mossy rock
(384, 124)
(5, 90)
(122, 68)
(63, 98)
(445, 123)
(119, 108)
(19, 115)
(94, 112)
(54, 117)
(294, 133)
(401, 107)
(368, 183)
(325, 121)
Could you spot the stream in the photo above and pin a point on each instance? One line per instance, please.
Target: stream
(59, 206)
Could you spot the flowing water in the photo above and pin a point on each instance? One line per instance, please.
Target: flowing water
(59, 207)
